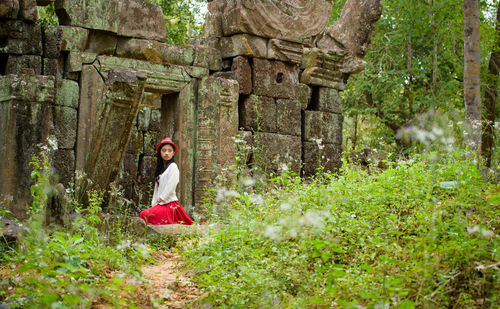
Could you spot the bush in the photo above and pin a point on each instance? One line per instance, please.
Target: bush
(421, 233)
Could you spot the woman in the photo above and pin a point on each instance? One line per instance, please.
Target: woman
(165, 207)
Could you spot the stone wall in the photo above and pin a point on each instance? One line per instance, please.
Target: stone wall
(108, 88)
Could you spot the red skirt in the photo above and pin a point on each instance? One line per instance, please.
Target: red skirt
(171, 213)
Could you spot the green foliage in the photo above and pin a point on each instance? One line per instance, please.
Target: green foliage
(47, 15)
(67, 268)
(420, 234)
(181, 19)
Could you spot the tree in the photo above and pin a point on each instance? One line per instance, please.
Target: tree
(491, 96)
(472, 71)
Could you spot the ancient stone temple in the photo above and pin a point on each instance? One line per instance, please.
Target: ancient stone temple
(108, 88)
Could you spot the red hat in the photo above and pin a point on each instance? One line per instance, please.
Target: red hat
(166, 140)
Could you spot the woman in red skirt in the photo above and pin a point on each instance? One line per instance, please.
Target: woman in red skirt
(165, 207)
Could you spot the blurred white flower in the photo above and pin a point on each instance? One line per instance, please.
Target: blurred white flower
(272, 232)
(257, 199)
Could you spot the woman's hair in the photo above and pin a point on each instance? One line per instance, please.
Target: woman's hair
(160, 166)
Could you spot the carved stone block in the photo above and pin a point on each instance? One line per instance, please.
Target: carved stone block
(64, 164)
(243, 74)
(258, 111)
(177, 55)
(19, 37)
(243, 45)
(274, 79)
(324, 157)
(28, 10)
(101, 43)
(328, 100)
(16, 63)
(278, 151)
(64, 126)
(207, 57)
(53, 67)
(322, 77)
(120, 17)
(285, 51)
(68, 93)
(292, 20)
(289, 116)
(52, 37)
(304, 95)
(160, 78)
(9, 9)
(324, 126)
(73, 38)
(139, 49)
(76, 60)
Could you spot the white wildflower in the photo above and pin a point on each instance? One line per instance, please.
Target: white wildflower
(272, 232)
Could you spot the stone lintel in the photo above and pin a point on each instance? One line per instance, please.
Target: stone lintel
(161, 78)
(322, 77)
(243, 45)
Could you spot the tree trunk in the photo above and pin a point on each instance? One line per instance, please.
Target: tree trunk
(355, 135)
(490, 97)
(472, 81)
(430, 4)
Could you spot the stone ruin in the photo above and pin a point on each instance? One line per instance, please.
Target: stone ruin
(108, 88)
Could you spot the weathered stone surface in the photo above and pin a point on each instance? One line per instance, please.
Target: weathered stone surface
(304, 95)
(115, 121)
(292, 20)
(207, 57)
(352, 31)
(64, 126)
(174, 54)
(9, 9)
(344, 62)
(278, 151)
(274, 79)
(285, 51)
(217, 127)
(101, 43)
(324, 126)
(19, 37)
(243, 45)
(27, 88)
(321, 157)
(91, 92)
(76, 60)
(243, 74)
(322, 77)
(52, 37)
(120, 17)
(54, 67)
(139, 49)
(28, 10)
(258, 113)
(328, 100)
(289, 117)
(151, 100)
(64, 164)
(212, 26)
(23, 125)
(160, 78)
(68, 93)
(73, 38)
(15, 64)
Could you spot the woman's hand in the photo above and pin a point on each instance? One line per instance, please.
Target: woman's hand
(160, 200)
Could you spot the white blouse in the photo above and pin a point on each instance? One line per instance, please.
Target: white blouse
(166, 188)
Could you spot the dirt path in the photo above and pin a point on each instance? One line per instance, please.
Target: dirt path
(165, 285)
